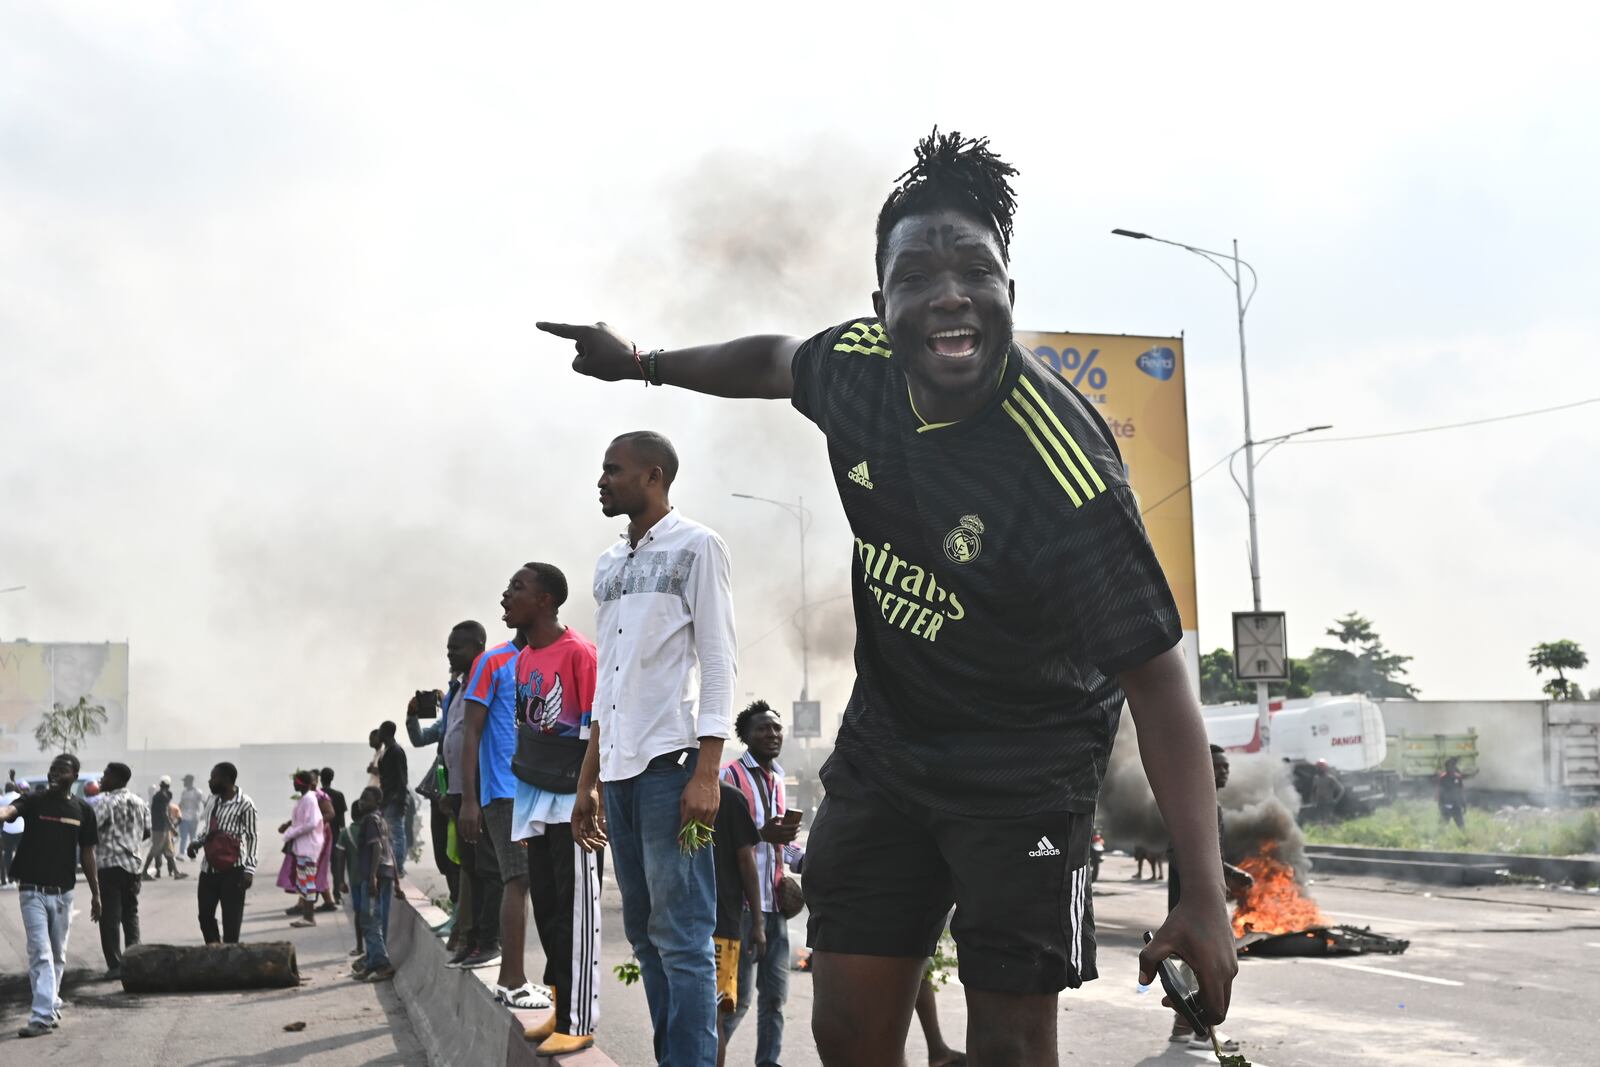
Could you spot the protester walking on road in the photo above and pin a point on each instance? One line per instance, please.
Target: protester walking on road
(489, 789)
(122, 821)
(10, 833)
(663, 708)
(758, 776)
(377, 879)
(228, 840)
(190, 801)
(555, 675)
(161, 830)
(60, 834)
(302, 839)
(1450, 787)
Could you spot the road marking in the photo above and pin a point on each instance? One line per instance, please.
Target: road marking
(1591, 944)
(1101, 924)
(1387, 971)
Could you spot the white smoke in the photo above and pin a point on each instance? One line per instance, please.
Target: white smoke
(1258, 806)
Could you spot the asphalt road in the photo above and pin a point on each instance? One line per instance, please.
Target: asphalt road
(1497, 975)
(346, 1023)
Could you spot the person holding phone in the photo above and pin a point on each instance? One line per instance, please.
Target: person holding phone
(758, 777)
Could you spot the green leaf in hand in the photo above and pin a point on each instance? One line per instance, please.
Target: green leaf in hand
(694, 836)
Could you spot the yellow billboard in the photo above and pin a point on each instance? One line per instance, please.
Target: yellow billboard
(1137, 385)
(34, 677)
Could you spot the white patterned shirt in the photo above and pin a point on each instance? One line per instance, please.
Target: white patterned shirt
(666, 645)
(123, 820)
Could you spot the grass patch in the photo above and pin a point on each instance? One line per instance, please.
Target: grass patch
(1415, 824)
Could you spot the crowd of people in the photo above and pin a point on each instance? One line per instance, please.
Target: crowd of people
(1008, 603)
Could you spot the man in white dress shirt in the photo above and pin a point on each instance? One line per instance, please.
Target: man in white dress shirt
(662, 710)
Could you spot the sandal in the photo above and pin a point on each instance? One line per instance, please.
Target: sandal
(525, 997)
(301, 924)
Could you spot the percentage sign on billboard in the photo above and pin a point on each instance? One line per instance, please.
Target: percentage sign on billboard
(1083, 367)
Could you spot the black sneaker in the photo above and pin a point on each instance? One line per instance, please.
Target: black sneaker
(460, 955)
(486, 957)
(35, 1028)
(114, 974)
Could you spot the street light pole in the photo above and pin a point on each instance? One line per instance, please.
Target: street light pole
(1241, 304)
(802, 517)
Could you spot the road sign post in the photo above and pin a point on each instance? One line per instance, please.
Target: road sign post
(807, 718)
(1261, 655)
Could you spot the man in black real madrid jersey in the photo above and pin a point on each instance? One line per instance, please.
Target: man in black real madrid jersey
(1006, 599)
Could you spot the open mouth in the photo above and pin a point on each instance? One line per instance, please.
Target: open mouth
(958, 343)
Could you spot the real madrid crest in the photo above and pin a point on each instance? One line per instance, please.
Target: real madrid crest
(964, 543)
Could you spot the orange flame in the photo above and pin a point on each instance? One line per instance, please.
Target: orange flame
(1275, 904)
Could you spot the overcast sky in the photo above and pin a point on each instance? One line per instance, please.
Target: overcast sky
(273, 408)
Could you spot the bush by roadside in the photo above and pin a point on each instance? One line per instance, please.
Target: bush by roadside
(1416, 824)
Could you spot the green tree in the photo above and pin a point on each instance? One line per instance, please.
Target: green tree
(1360, 665)
(64, 728)
(1559, 656)
(1218, 686)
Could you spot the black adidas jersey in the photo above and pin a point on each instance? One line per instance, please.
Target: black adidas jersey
(1002, 578)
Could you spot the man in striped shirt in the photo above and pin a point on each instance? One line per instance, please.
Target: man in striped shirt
(228, 837)
(1007, 604)
(759, 778)
(123, 820)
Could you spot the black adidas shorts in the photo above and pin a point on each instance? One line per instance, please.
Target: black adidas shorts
(880, 877)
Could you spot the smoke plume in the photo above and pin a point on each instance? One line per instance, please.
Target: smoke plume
(1258, 806)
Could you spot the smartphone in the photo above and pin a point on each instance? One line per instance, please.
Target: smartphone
(427, 704)
(791, 817)
(1185, 997)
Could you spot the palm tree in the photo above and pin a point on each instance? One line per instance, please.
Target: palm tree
(63, 728)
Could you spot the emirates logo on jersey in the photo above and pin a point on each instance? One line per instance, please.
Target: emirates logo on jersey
(963, 544)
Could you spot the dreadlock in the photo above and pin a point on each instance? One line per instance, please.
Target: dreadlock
(953, 172)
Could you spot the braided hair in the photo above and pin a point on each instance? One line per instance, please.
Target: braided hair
(952, 172)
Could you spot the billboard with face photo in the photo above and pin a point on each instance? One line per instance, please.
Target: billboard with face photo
(35, 677)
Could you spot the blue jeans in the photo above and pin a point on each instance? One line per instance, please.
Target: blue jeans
(669, 904)
(45, 917)
(375, 922)
(358, 905)
(772, 987)
(185, 835)
(396, 818)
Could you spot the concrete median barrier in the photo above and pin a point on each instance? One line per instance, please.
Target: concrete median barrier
(454, 1012)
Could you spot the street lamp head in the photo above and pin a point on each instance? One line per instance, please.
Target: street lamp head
(1135, 234)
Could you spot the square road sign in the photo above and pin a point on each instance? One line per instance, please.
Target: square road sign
(807, 718)
(1260, 646)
